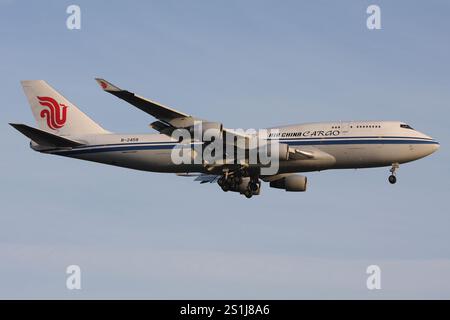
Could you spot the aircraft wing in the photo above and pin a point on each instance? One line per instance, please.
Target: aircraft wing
(205, 178)
(202, 177)
(168, 119)
(170, 116)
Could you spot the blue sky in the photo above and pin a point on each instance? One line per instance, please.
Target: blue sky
(247, 64)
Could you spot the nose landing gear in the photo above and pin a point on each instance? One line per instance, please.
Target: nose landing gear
(392, 178)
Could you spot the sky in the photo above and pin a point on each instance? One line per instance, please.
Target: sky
(247, 64)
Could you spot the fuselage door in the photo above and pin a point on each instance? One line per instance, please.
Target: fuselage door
(345, 127)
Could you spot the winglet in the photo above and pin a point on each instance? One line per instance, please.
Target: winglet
(107, 86)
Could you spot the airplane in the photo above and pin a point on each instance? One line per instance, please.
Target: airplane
(65, 130)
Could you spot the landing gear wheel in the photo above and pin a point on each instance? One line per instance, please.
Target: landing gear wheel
(225, 186)
(248, 193)
(253, 186)
(392, 179)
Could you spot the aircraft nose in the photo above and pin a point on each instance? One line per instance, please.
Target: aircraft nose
(431, 146)
(435, 146)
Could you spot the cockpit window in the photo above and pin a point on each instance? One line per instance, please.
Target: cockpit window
(405, 126)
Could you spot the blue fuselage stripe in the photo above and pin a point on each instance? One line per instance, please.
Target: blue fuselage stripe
(298, 142)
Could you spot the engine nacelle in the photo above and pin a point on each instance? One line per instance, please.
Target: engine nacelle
(296, 183)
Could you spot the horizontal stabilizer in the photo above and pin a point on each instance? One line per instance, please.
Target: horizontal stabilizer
(44, 138)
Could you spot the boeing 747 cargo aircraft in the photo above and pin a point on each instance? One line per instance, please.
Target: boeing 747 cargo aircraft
(66, 131)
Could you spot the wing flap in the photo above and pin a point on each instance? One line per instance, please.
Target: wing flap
(162, 127)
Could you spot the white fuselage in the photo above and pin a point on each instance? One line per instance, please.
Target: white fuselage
(356, 144)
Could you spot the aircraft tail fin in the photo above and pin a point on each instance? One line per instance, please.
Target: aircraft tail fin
(44, 138)
(56, 114)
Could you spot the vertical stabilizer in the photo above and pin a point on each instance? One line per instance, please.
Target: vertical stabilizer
(56, 114)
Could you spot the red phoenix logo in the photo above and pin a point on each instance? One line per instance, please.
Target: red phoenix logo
(56, 114)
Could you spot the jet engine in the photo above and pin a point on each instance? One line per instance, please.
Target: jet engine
(290, 183)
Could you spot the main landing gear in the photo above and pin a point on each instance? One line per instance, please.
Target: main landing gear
(392, 178)
(229, 182)
(248, 186)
